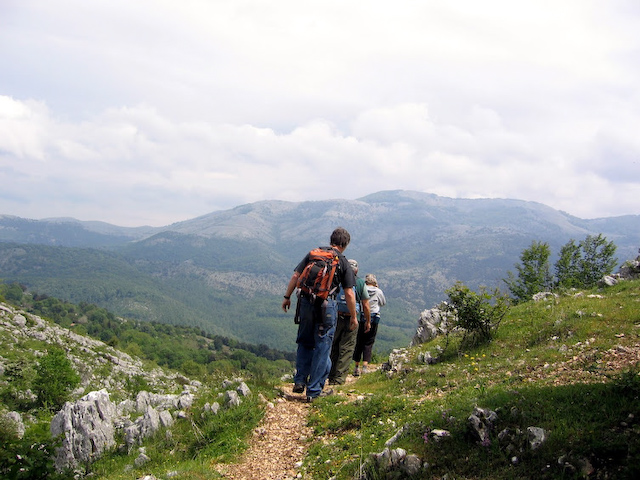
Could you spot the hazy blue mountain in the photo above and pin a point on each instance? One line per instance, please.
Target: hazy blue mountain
(68, 232)
(225, 272)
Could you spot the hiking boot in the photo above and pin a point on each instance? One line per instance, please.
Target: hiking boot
(324, 393)
(298, 388)
(356, 372)
(364, 369)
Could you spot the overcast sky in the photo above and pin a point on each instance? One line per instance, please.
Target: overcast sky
(149, 112)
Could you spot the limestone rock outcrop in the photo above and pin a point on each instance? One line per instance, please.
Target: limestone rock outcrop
(87, 427)
(432, 322)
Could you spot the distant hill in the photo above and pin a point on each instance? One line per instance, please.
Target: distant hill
(68, 232)
(225, 272)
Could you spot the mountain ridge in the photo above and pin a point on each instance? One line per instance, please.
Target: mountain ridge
(378, 202)
(224, 271)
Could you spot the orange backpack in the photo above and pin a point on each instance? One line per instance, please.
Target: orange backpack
(316, 279)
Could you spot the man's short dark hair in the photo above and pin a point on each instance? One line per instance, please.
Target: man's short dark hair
(340, 237)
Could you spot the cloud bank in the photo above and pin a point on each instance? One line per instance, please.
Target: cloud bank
(150, 112)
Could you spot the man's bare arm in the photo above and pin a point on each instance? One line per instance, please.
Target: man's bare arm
(286, 303)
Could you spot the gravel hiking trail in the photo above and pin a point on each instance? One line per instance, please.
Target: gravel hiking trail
(278, 443)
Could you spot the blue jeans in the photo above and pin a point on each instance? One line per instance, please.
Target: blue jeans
(315, 337)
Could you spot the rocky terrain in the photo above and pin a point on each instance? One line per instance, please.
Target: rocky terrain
(102, 409)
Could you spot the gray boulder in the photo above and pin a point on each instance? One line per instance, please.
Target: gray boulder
(232, 398)
(397, 359)
(482, 422)
(243, 389)
(536, 436)
(630, 269)
(13, 420)
(431, 323)
(20, 321)
(141, 459)
(147, 425)
(211, 408)
(396, 463)
(161, 402)
(543, 296)
(87, 429)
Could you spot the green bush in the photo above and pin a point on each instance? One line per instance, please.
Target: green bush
(55, 379)
(29, 457)
(477, 314)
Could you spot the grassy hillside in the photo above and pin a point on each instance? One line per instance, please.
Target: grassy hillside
(568, 365)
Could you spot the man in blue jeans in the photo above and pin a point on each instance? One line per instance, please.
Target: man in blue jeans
(318, 321)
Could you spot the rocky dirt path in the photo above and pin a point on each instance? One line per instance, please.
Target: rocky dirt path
(278, 443)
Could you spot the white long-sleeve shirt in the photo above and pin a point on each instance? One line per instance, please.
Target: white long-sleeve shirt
(376, 298)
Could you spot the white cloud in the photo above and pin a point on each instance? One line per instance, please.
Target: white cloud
(157, 111)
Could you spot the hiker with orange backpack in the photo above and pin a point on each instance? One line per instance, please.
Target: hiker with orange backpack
(318, 278)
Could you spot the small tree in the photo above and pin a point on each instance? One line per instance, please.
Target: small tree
(534, 273)
(568, 266)
(583, 265)
(597, 259)
(476, 314)
(55, 379)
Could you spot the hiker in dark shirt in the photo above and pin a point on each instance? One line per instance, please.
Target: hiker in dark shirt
(318, 320)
